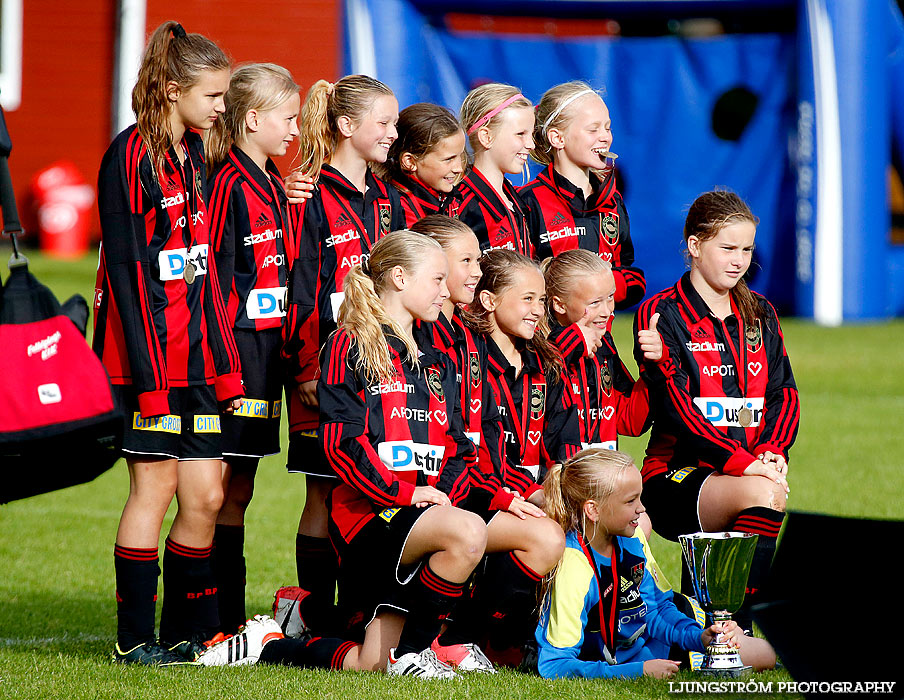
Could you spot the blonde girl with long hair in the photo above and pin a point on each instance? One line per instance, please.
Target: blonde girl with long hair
(254, 241)
(162, 332)
(605, 614)
(499, 122)
(346, 128)
(575, 203)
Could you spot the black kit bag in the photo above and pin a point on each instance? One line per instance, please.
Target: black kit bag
(58, 423)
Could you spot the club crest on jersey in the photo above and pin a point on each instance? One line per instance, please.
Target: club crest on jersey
(385, 217)
(606, 377)
(435, 384)
(537, 401)
(637, 573)
(474, 368)
(754, 336)
(609, 227)
(454, 207)
(198, 183)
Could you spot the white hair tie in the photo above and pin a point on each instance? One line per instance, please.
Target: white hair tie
(564, 105)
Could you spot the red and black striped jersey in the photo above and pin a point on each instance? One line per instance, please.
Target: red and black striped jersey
(561, 219)
(726, 392)
(483, 424)
(539, 418)
(495, 222)
(154, 329)
(609, 402)
(384, 438)
(340, 224)
(253, 240)
(419, 201)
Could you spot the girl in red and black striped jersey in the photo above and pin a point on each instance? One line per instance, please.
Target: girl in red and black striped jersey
(253, 242)
(163, 333)
(725, 404)
(526, 543)
(574, 203)
(499, 121)
(392, 429)
(346, 126)
(426, 161)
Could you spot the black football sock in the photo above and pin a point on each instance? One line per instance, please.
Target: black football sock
(189, 610)
(511, 588)
(316, 564)
(432, 598)
(229, 571)
(767, 523)
(318, 652)
(137, 571)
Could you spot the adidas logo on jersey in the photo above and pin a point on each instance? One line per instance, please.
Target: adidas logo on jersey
(262, 221)
(558, 220)
(342, 220)
(701, 334)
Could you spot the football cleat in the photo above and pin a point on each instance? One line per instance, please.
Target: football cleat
(244, 647)
(463, 657)
(287, 611)
(422, 665)
(149, 654)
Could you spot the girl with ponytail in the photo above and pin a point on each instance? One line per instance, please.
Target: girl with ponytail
(608, 611)
(574, 202)
(162, 331)
(725, 406)
(346, 127)
(253, 241)
(499, 122)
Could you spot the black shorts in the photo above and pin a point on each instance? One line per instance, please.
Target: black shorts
(672, 500)
(191, 430)
(253, 430)
(306, 455)
(371, 576)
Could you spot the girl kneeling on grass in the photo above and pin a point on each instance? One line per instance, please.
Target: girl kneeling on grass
(604, 615)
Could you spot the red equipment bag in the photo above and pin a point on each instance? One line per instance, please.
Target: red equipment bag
(58, 423)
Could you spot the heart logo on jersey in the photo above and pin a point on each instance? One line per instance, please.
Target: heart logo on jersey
(475, 405)
(608, 412)
(440, 417)
(533, 436)
(754, 367)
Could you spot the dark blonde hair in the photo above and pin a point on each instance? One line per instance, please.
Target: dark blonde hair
(171, 55)
(362, 313)
(259, 86)
(500, 267)
(708, 215)
(421, 128)
(441, 228)
(352, 96)
(551, 102)
(564, 271)
(484, 99)
(591, 475)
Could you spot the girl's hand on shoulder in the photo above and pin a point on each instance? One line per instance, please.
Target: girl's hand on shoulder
(299, 187)
(730, 632)
(307, 392)
(650, 341)
(523, 508)
(424, 496)
(660, 668)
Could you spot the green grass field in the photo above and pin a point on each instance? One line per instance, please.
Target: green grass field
(58, 614)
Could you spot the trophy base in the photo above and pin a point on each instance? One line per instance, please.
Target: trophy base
(733, 672)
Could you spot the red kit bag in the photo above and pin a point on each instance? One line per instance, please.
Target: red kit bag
(58, 424)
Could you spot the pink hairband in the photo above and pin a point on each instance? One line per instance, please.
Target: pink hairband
(493, 112)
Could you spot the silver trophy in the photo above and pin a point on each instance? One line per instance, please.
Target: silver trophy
(719, 563)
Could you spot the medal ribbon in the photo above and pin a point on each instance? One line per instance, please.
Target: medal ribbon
(607, 629)
(530, 453)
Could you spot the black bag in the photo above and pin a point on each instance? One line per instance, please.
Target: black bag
(58, 423)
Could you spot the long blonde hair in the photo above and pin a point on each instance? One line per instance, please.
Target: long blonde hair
(363, 315)
(556, 103)
(481, 101)
(171, 55)
(258, 86)
(352, 97)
